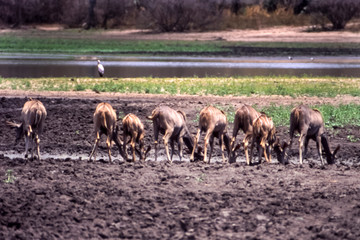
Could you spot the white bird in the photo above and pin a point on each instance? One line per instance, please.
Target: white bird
(101, 69)
(312, 59)
(290, 58)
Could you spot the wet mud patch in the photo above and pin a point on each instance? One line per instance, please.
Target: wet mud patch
(69, 126)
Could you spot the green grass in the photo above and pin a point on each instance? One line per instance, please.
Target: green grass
(72, 42)
(220, 86)
(10, 178)
(334, 116)
(25, 44)
(339, 116)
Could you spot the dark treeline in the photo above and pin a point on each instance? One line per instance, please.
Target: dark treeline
(164, 15)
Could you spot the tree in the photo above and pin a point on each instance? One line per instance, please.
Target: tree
(113, 10)
(236, 6)
(339, 12)
(91, 21)
(18, 12)
(181, 15)
(74, 14)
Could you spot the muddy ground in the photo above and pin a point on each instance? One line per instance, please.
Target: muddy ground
(64, 196)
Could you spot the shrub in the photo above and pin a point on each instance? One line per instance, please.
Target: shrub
(339, 12)
(181, 15)
(17, 12)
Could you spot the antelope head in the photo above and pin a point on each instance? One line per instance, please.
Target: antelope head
(20, 133)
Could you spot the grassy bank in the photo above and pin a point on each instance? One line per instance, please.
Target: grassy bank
(334, 116)
(277, 85)
(341, 115)
(74, 43)
(93, 46)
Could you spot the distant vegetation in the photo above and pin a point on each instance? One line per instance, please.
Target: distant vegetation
(179, 15)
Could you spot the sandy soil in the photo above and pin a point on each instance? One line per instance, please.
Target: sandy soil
(64, 196)
(274, 34)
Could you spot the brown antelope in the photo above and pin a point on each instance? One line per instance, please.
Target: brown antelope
(105, 123)
(33, 116)
(244, 118)
(310, 124)
(133, 127)
(212, 121)
(264, 135)
(172, 124)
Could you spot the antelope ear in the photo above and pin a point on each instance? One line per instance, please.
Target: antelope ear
(277, 141)
(336, 150)
(284, 145)
(237, 147)
(273, 131)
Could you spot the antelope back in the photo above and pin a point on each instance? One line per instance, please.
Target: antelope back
(132, 123)
(104, 116)
(33, 116)
(245, 116)
(211, 116)
(263, 123)
(316, 117)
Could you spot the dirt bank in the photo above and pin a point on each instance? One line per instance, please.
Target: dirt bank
(272, 34)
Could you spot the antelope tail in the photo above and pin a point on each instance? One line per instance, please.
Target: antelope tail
(183, 114)
(294, 120)
(38, 117)
(153, 114)
(104, 119)
(296, 115)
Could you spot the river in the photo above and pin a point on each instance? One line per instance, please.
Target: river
(60, 65)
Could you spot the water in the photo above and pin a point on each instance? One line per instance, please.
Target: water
(44, 65)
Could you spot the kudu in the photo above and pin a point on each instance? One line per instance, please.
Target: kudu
(264, 136)
(212, 121)
(310, 124)
(133, 127)
(244, 118)
(33, 116)
(172, 124)
(105, 123)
